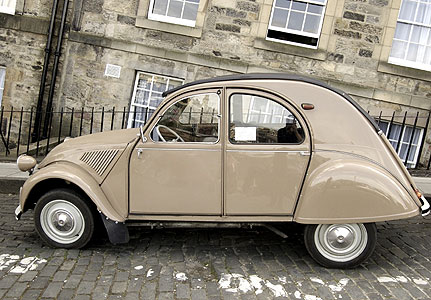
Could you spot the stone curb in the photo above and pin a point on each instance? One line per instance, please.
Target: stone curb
(11, 185)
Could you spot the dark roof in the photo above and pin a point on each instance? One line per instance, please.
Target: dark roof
(278, 76)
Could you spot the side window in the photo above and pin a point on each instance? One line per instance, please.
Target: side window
(194, 119)
(258, 120)
(183, 12)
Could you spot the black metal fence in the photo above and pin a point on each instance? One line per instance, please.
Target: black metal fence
(18, 136)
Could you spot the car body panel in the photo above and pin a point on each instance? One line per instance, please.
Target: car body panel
(342, 188)
(73, 174)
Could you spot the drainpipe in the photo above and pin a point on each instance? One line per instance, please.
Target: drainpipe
(55, 68)
(38, 119)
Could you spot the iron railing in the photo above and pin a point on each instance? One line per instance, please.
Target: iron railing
(18, 137)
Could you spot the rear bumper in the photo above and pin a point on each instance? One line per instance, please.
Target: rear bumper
(425, 208)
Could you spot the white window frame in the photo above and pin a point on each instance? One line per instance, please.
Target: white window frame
(410, 163)
(297, 32)
(167, 19)
(405, 62)
(2, 69)
(148, 107)
(7, 6)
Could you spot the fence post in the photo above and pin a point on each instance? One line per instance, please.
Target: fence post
(102, 119)
(60, 126)
(92, 119)
(8, 132)
(411, 138)
(124, 117)
(390, 125)
(401, 132)
(50, 116)
(80, 123)
(19, 131)
(29, 130)
(112, 119)
(71, 122)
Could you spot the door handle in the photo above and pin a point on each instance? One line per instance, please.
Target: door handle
(305, 153)
(140, 150)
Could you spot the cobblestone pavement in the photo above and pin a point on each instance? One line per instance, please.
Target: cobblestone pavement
(208, 264)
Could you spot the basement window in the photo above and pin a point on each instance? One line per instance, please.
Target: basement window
(182, 12)
(296, 22)
(147, 96)
(411, 46)
(7, 6)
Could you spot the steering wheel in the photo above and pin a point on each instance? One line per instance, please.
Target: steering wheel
(171, 131)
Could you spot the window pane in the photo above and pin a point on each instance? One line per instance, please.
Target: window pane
(175, 9)
(193, 119)
(427, 56)
(279, 18)
(295, 21)
(412, 153)
(282, 3)
(142, 97)
(159, 84)
(419, 34)
(155, 99)
(395, 132)
(160, 7)
(144, 81)
(424, 14)
(402, 31)
(315, 9)
(412, 52)
(383, 126)
(407, 134)
(190, 11)
(312, 23)
(403, 152)
(408, 10)
(258, 120)
(399, 49)
(299, 5)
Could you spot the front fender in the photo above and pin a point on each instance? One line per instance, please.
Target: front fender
(351, 190)
(76, 175)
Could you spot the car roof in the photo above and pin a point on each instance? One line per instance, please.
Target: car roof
(277, 76)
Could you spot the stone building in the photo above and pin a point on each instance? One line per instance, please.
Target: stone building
(125, 53)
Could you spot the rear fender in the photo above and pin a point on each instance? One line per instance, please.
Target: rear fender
(351, 190)
(76, 175)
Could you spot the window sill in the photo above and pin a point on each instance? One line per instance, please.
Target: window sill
(385, 67)
(264, 44)
(169, 27)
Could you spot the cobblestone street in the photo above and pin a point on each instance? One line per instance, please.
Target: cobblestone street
(208, 264)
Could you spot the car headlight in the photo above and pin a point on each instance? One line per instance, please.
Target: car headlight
(26, 162)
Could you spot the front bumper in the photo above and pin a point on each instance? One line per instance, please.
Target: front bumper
(425, 208)
(18, 212)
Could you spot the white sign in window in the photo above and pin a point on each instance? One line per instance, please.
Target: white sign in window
(411, 46)
(2, 79)
(182, 12)
(297, 22)
(147, 95)
(7, 6)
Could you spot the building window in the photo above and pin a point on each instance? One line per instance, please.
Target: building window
(7, 6)
(147, 95)
(182, 12)
(2, 79)
(405, 133)
(297, 22)
(411, 46)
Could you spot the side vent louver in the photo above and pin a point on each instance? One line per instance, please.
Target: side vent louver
(99, 160)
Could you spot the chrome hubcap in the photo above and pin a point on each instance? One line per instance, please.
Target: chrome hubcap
(62, 221)
(341, 242)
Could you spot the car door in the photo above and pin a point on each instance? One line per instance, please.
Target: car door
(178, 169)
(267, 153)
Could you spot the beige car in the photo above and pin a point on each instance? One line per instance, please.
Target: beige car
(233, 151)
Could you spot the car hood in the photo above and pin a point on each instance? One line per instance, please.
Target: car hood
(74, 149)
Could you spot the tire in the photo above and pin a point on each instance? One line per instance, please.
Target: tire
(63, 219)
(340, 246)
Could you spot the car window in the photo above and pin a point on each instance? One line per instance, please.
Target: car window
(194, 119)
(259, 120)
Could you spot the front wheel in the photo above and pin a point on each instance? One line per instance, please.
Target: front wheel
(340, 245)
(63, 219)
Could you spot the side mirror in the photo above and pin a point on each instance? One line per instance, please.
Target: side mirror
(141, 130)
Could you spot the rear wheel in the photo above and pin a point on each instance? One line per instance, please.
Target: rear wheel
(63, 219)
(340, 245)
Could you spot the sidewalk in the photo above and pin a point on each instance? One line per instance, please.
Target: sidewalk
(11, 179)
